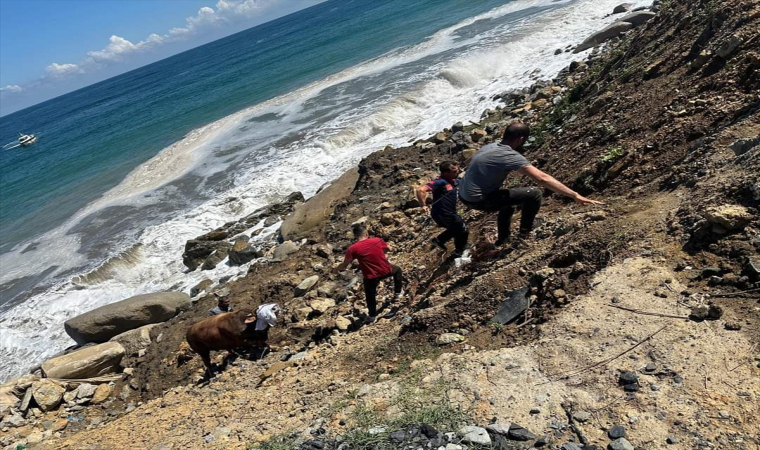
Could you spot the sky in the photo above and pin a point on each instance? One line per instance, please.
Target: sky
(51, 47)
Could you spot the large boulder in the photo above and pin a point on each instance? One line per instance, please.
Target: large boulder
(621, 8)
(217, 256)
(47, 394)
(637, 18)
(612, 31)
(85, 363)
(196, 252)
(318, 208)
(134, 340)
(101, 324)
(728, 218)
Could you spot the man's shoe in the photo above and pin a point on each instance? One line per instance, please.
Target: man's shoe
(369, 320)
(399, 295)
(438, 244)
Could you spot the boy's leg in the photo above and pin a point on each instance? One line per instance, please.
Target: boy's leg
(398, 280)
(370, 294)
(459, 229)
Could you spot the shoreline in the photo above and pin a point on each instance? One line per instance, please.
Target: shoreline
(667, 251)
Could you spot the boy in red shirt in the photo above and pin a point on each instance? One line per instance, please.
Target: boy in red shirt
(370, 253)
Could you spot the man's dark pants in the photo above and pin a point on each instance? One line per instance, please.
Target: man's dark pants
(455, 228)
(370, 287)
(504, 201)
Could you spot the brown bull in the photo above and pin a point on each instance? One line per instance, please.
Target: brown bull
(221, 332)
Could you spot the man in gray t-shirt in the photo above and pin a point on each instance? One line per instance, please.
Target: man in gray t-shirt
(481, 187)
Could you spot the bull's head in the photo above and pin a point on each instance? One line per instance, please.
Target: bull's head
(246, 315)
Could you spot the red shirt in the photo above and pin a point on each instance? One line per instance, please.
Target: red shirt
(371, 256)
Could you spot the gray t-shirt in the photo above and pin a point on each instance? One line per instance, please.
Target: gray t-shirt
(488, 170)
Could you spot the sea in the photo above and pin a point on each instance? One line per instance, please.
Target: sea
(127, 170)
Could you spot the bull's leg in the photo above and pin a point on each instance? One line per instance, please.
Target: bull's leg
(206, 357)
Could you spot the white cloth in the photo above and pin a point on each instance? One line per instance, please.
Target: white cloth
(266, 315)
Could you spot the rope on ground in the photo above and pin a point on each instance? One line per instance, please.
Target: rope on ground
(733, 294)
(647, 313)
(603, 362)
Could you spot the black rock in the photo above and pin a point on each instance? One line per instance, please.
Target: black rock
(457, 127)
(616, 432)
(543, 440)
(518, 433)
(672, 440)
(633, 387)
(428, 431)
(628, 377)
(513, 306)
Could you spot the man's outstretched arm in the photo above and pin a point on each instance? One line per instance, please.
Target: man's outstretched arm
(551, 183)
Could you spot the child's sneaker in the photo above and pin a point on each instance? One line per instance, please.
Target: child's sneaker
(436, 243)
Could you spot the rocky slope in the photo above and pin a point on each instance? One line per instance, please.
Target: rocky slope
(662, 125)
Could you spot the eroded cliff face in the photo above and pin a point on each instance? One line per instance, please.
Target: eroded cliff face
(662, 126)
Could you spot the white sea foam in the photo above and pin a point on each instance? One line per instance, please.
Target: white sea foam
(435, 97)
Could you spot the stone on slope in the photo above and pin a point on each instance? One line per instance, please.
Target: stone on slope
(474, 435)
(7, 399)
(134, 340)
(612, 31)
(518, 433)
(637, 18)
(728, 218)
(86, 391)
(102, 392)
(242, 252)
(322, 304)
(621, 8)
(449, 338)
(85, 363)
(513, 306)
(620, 444)
(284, 250)
(305, 285)
(101, 324)
(315, 210)
(47, 394)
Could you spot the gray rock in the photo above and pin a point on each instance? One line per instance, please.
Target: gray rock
(616, 432)
(499, 428)
(47, 394)
(638, 18)
(729, 46)
(612, 31)
(582, 416)
(305, 285)
(620, 444)
(569, 446)
(672, 440)
(86, 390)
(85, 363)
(621, 8)
(457, 127)
(101, 324)
(284, 250)
(518, 433)
(474, 435)
(134, 340)
(14, 420)
(24, 406)
(742, 146)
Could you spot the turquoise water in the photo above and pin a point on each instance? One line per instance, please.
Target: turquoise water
(127, 170)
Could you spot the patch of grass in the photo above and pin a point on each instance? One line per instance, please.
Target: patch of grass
(612, 155)
(285, 441)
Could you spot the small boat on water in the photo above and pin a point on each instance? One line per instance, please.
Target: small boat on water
(24, 140)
